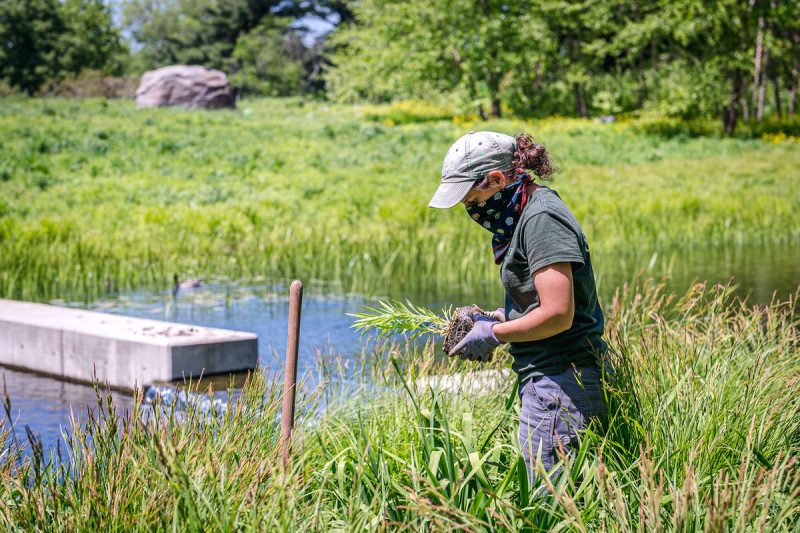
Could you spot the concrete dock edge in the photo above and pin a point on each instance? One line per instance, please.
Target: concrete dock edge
(122, 351)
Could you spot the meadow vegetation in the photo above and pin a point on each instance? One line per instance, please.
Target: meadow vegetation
(703, 431)
(703, 434)
(97, 197)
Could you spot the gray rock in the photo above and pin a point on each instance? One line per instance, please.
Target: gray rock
(186, 86)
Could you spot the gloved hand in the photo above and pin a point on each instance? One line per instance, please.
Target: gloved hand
(499, 314)
(479, 343)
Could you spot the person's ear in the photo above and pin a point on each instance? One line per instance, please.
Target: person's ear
(495, 178)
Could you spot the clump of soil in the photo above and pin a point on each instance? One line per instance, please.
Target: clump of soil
(460, 324)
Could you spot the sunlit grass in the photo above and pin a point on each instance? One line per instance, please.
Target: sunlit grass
(96, 196)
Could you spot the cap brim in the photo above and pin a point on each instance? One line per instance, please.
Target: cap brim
(450, 193)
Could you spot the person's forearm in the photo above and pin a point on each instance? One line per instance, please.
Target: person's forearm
(536, 325)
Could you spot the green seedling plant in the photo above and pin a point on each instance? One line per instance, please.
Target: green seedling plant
(395, 317)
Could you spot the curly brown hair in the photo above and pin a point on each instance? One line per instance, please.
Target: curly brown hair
(529, 156)
(532, 157)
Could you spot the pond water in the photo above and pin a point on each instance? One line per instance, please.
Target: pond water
(45, 404)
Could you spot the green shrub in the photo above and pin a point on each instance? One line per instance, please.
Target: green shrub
(772, 124)
(677, 127)
(405, 112)
(92, 84)
(669, 127)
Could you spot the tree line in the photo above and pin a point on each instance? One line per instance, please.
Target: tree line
(45, 40)
(734, 59)
(727, 58)
(258, 43)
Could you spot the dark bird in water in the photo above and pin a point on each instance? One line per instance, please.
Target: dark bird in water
(186, 284)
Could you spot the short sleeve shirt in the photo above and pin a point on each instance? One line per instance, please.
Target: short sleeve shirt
(549, 233)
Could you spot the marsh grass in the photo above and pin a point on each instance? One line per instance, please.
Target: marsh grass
(97, 197)
(702, 434)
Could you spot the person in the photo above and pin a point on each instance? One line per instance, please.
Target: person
(551, 318)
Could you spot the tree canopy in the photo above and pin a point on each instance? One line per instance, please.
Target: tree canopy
(42, 40)
(257, 42)
(734, 59)
(675, 57)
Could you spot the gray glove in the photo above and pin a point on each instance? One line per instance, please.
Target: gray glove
(479, 343)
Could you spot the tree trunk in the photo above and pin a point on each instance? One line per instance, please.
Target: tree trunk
(580, 103)
(493, 83)
(532, 85)
(776, 86)
(762, 87)
(793, 89)
(654, 67)
(640, 81)
(729, 113)
(641, 92)
(757, 61)
(496, 111)
(745, 109)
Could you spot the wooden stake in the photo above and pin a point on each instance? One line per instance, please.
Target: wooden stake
(290, 376)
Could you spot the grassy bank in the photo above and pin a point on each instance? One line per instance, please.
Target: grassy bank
(704, 434)
(96, 196)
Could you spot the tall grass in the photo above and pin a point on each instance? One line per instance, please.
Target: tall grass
(96, 196)
(703, 434)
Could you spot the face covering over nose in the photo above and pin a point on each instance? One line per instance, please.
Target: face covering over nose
(500, 214)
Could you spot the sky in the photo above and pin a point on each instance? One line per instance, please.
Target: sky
(317, 27)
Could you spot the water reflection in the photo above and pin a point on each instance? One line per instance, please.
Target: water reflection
(759, 272)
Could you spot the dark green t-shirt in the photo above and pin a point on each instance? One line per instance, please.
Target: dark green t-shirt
(549, 233)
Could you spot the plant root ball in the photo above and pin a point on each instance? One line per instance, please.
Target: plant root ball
(460, 324)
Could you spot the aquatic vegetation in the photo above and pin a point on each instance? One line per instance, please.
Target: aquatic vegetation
(97, 197)
(702, 435)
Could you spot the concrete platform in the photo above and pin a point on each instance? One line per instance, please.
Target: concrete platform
(124, 351)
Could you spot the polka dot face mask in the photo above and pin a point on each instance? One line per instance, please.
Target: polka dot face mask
(500, 213)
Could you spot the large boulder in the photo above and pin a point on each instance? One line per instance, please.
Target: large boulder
(184, 85)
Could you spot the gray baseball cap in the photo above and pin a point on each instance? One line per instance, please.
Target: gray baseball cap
(468, 160)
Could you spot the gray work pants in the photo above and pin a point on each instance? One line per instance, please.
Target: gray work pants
(555, 408)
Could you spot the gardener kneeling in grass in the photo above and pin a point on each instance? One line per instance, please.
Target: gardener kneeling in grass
(551, 318)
